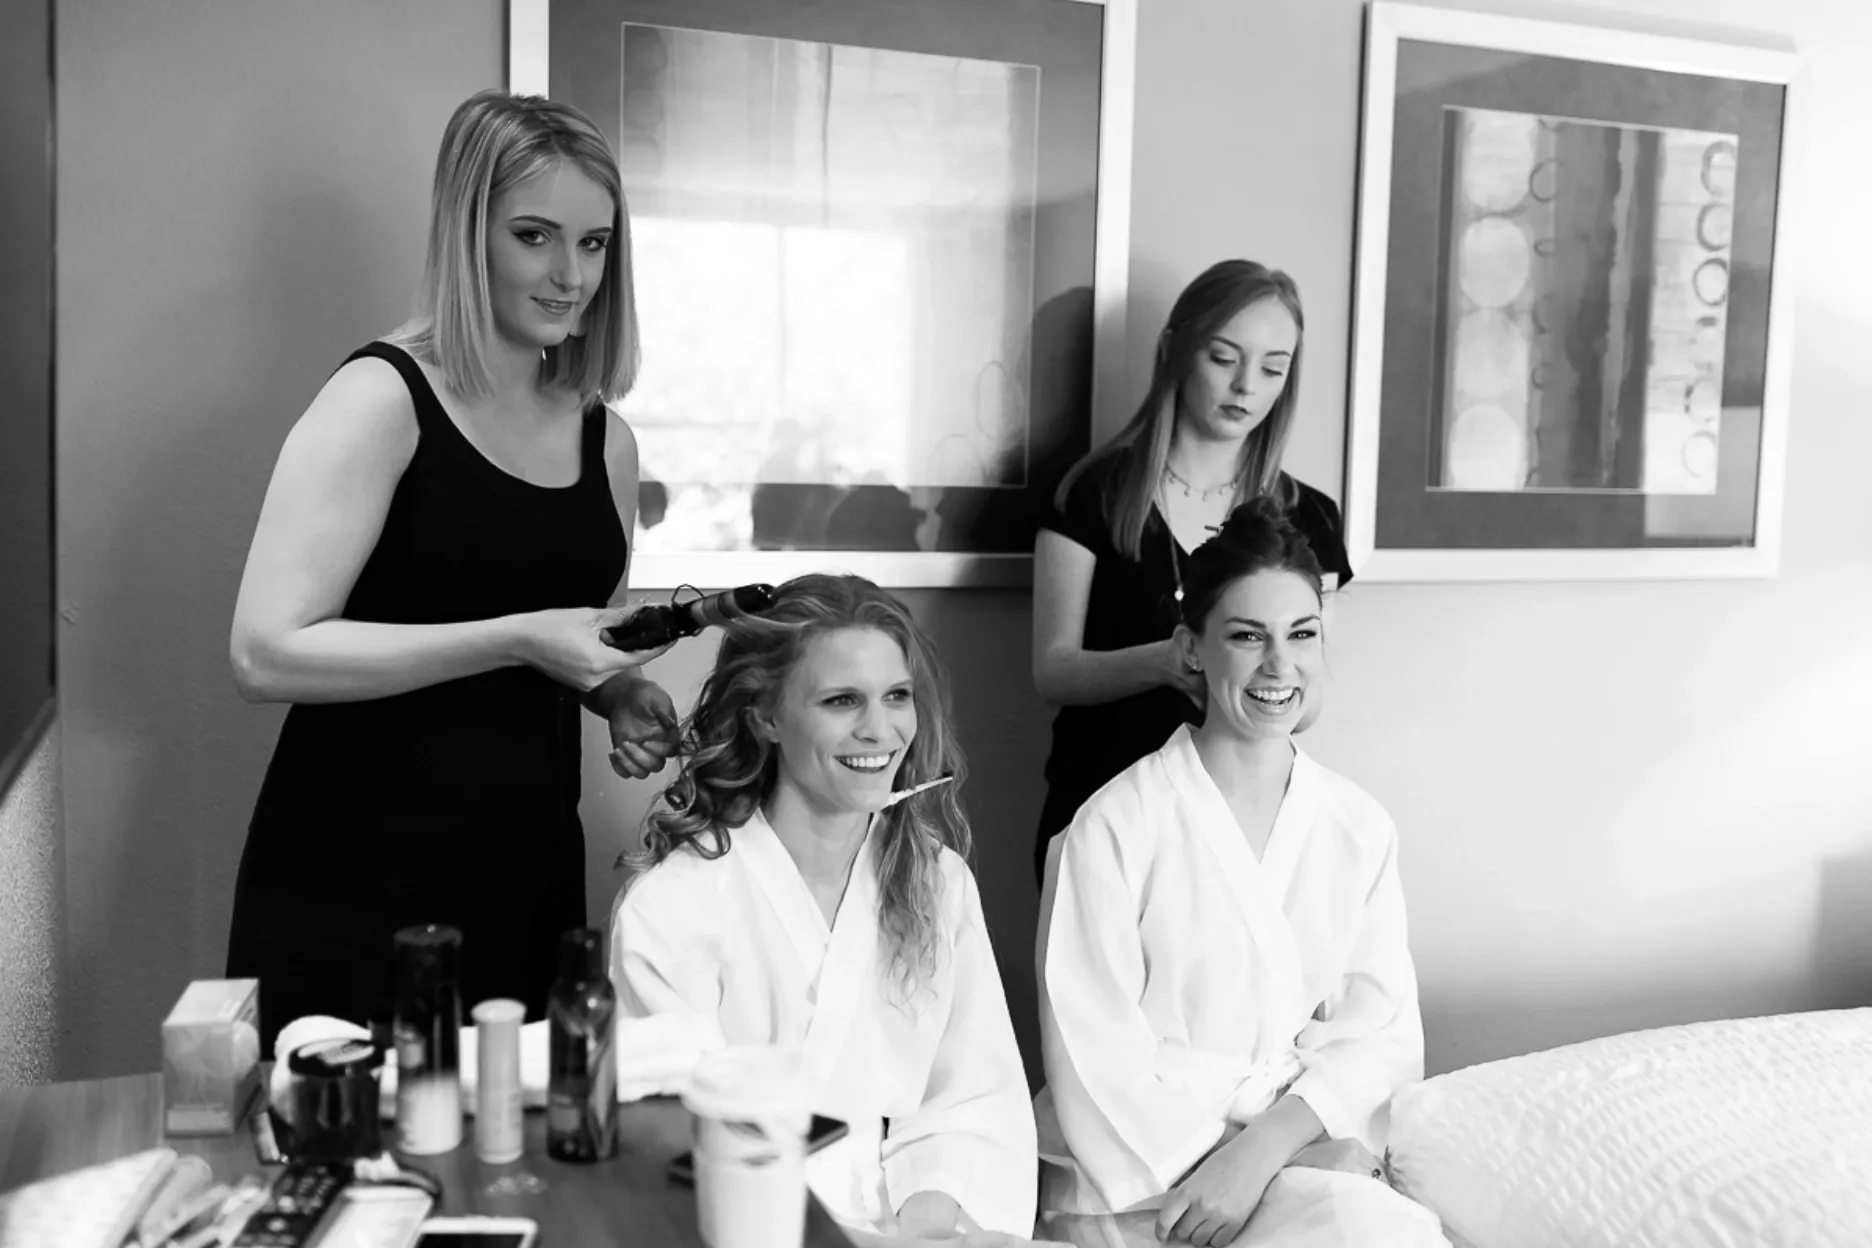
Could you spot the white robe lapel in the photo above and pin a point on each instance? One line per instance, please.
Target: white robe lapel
(847, 1176)
(780, 882)
(838, 961)
(850, 961)
(1299, 811)
(1256, 893)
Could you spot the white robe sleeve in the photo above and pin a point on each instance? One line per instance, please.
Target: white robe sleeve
(1136, 1113)
(973, 1136)
(661, 960)
(1367, 1038)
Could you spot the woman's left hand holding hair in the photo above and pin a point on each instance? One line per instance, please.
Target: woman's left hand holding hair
(643, 724)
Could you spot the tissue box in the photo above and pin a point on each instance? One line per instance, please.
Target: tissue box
(211, 1057)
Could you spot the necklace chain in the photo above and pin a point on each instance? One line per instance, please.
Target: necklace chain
(1191, 491)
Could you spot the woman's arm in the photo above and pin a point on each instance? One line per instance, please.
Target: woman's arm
(666, 948)
(1214, 1201)
(1138, 1111)
(968, 1155)
(621, 469)
(640, 712)
(323, 514)
(1067, 674)
(1367, 1039)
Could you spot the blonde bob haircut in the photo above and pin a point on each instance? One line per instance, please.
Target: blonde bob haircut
(494, 142)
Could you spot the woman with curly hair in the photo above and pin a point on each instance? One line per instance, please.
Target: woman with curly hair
(786, 895)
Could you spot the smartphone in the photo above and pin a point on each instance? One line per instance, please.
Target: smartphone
(824, 1131)
(368, 1215)
(478, 1232)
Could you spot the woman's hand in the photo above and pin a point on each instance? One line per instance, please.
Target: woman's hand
(928, 1214)
(1212, 1205)
(643, 729)
(565, 644)
(1177, 674)
(1350, 1156)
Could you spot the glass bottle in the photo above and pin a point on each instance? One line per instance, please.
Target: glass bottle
(581, 1106)
(427, 1028)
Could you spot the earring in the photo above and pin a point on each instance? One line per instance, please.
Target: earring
(1194, 666)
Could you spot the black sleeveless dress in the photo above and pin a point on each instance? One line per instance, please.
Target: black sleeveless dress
(456, 803)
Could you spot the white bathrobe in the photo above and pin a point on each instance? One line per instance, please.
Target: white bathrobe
(1185, 985)
(740, 939)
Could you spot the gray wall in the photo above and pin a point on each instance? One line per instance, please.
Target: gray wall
(243, 194)
(1622, 804)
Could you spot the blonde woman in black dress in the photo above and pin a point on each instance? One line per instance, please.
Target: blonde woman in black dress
(444, 538)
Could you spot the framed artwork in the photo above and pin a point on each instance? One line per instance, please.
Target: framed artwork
(880, 252)
(1571, 333)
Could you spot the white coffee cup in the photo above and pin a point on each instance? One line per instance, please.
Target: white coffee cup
(751, 1120)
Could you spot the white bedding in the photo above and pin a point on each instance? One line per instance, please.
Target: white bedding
(1750, 1132)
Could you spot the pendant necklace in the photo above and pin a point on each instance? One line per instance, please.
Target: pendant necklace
(1190, 491)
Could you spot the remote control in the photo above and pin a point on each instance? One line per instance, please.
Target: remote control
(295, 1204)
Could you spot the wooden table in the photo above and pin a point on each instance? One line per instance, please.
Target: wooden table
(627, 1201)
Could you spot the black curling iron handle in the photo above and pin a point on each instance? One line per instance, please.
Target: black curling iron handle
(661, 623)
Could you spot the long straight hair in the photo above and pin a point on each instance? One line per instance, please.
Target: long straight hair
(729, 769)
(493, 142)
(1207, 304)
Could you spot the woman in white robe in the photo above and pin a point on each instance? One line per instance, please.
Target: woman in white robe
(791, 900)
(1228, 1001)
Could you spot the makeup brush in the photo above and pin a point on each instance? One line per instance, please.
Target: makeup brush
(945, 778)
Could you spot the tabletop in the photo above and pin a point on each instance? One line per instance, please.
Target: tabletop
(52, 1128)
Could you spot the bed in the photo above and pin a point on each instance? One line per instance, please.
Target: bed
(1750, 1132)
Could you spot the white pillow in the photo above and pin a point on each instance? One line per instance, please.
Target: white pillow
(1753, 1132)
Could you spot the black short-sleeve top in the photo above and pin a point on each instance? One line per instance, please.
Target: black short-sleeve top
(1133, 602)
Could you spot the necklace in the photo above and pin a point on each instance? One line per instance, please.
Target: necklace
(1190, 491)
(1176, 567)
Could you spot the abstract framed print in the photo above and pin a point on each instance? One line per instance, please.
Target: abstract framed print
(1571, 331)
(880, 252)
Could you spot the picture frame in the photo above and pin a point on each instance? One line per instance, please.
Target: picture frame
(880, 252)
(1572, 330)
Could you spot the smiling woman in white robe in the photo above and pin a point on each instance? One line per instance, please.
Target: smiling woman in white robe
(1228, 1001)
(795, 903)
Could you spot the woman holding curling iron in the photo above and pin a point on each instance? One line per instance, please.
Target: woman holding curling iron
(442, 547)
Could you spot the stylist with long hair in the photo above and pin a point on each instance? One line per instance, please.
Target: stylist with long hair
(1110, 556)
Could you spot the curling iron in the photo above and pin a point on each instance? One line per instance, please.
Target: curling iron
(658, 624)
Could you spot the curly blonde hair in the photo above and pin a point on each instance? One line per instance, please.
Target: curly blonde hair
(729, 769)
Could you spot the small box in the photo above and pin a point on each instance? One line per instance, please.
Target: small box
(211, 1057)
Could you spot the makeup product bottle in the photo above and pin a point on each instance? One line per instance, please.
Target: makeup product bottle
(428, 1039)
(581, 1104)
(498, 1103)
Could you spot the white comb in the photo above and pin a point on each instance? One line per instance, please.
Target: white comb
(945, 778)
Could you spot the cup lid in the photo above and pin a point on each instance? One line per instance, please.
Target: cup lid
(337, 1055)
(747, 1082)
(498, 1010)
